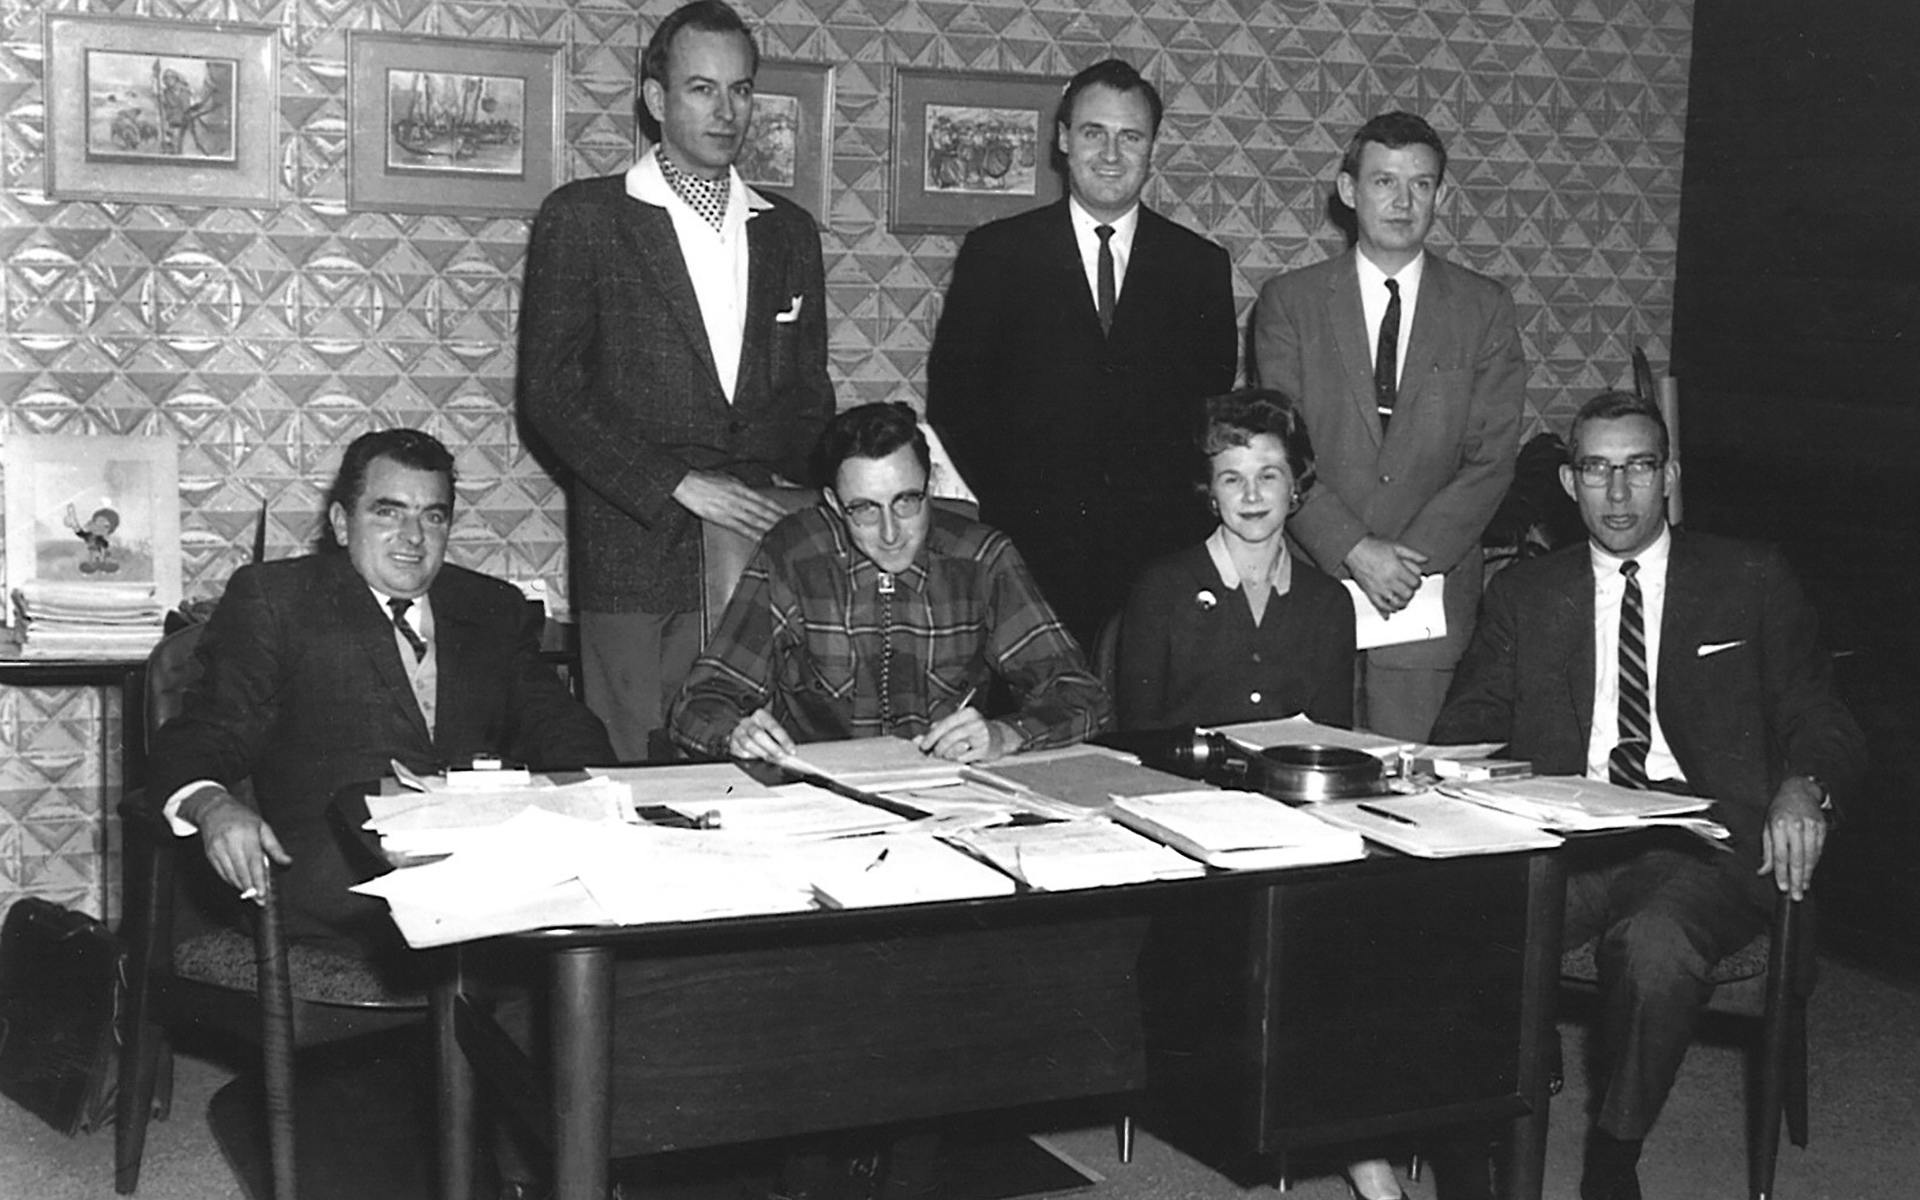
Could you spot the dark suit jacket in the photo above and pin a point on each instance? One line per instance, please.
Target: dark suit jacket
(1080, 444)
(304, 692)
(1745, 690)
(1435, 479)
(617, 376)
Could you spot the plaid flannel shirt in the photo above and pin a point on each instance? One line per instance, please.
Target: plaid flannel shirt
(810, 625)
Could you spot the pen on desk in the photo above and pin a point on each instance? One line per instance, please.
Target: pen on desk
(709, 819)
(1384, 815)
(878, 859)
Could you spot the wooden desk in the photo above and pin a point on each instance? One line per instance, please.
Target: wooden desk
(1305, 1007)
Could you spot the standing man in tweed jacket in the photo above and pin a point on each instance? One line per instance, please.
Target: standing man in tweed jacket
(673, 355)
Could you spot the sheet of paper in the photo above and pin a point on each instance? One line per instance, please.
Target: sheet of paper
(796, 810)
(1431, 825)
(1299, 731)
(1069, 855)
(901, 869)
(1423, 619)
(874, 764)
(1237, 830)
(651, 786)
(1087, 778)
(442, 821)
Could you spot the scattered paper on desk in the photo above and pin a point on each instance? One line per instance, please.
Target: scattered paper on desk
(795, 810)
(1574, 802)
(1423, 619)
(875, 764)
(1238, 830)
(1300, 731)
(1431, 825)
(900, 869)
(444, 821)
(1068, 855)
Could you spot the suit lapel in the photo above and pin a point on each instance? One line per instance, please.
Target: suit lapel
(1348, 320)
(656, 247)
(1576, 608)
(1423, 346)
(1687, 598)
(453, 635)
(1063, 266)
(766, 299)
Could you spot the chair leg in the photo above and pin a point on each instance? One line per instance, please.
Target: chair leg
(1413, 1168)
(1763, 1148)
(140, 1052)
(276, 1044)
(1125, 1133)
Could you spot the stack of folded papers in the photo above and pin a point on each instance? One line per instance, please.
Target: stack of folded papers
(1573, 803)
(87, 620)
(1238, 830)
(1061, 856)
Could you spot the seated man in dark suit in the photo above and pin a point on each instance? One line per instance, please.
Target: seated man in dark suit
(1673, 660)
(878, 613)
(319, 670)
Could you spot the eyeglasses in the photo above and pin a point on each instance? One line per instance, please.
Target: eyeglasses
(1599, 473)
(866, 513)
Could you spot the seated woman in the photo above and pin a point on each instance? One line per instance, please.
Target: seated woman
(1236, 628)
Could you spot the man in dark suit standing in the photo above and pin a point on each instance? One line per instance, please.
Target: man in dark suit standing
(1409, 371)
(1076, 343)
(318, 671)
(673, 354)
(1672, 660)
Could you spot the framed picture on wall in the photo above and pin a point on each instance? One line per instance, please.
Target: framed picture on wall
(789, 150)
(100, 513)
(970, 147)
(161, 112)
(463, 126)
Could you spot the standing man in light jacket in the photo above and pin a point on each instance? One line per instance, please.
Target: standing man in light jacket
(673, 355)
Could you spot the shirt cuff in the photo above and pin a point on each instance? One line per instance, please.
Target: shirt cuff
(180, 825)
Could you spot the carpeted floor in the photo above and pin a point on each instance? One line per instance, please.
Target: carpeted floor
(1865, 1032)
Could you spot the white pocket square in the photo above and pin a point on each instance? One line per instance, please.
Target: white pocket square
(1707, 648)
(792, 314)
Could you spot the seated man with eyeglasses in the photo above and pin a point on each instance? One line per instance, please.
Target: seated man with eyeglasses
(876, 613)
(1671, 660)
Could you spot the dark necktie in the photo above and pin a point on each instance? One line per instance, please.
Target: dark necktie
(1386, 356)
(1627, 764)
(1106, 288)
(418, 643)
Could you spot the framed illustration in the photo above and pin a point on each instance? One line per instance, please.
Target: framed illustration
(452, 125)
(970, 146)
(161, 112)
(100, 512)
(789, 149)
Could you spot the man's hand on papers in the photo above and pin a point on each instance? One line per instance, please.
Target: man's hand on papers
(759, 735)
(1386, 571)
(238, 843)
(726, 501)
(1792, 838)
(966, 736)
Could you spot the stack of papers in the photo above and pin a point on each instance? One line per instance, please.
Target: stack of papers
(1062, 856)
(1238, 830)
(88, 620)
(900, 869)
(1430, 825)
(1574, 803)
(797, 810)
(1300, 731)
(1070, 781)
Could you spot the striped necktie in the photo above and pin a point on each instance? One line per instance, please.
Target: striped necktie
(1627, 763)
(407, 631)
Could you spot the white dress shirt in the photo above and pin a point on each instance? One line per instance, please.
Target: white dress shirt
(1373, 304)
(1121, 243)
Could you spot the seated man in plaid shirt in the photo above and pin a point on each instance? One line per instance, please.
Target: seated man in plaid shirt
(877, 613)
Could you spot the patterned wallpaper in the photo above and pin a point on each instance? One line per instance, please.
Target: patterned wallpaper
(264, 340)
